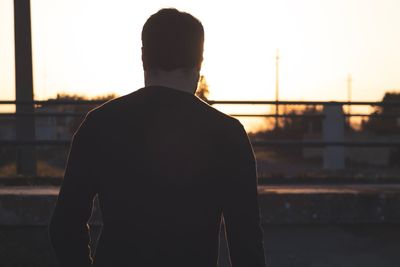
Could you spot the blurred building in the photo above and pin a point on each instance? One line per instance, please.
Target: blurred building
(47, 127)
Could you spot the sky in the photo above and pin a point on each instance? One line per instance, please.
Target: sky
(92, 47)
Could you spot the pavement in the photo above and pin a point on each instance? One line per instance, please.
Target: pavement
(354, 245)
(294, 245)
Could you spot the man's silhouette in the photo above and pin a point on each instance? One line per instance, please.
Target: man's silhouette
(165, 166)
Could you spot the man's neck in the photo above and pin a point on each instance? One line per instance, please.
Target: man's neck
(182, 80)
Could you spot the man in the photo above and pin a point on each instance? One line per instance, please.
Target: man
(165, 166)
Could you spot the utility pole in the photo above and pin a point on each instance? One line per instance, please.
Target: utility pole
(25, 125)
(349, 85)
(277, 90)
(349, 89)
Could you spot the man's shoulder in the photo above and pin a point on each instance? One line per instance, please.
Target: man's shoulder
(114, 106)
(220, 117)
(127, 104)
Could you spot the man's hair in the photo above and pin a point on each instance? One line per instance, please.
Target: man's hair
(172, 40)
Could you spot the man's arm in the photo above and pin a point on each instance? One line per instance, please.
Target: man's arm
(68, 229)
(240, 206)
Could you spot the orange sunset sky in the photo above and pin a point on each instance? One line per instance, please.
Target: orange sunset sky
(92, 47)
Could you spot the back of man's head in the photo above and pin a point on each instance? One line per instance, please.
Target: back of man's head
(172, 40)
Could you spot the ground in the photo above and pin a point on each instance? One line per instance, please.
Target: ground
(367, 245)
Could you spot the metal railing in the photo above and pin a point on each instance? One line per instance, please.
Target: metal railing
(40, 103)
(332, 116)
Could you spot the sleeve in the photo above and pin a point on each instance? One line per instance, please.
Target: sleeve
(68, 229)
(240, 205)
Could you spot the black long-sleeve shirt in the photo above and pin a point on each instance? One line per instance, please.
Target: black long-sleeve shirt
(166, 167)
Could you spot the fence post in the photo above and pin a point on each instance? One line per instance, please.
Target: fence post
(333, 131)
(25, 125)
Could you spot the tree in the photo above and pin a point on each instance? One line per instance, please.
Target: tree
(385, 117)
(202, 91)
